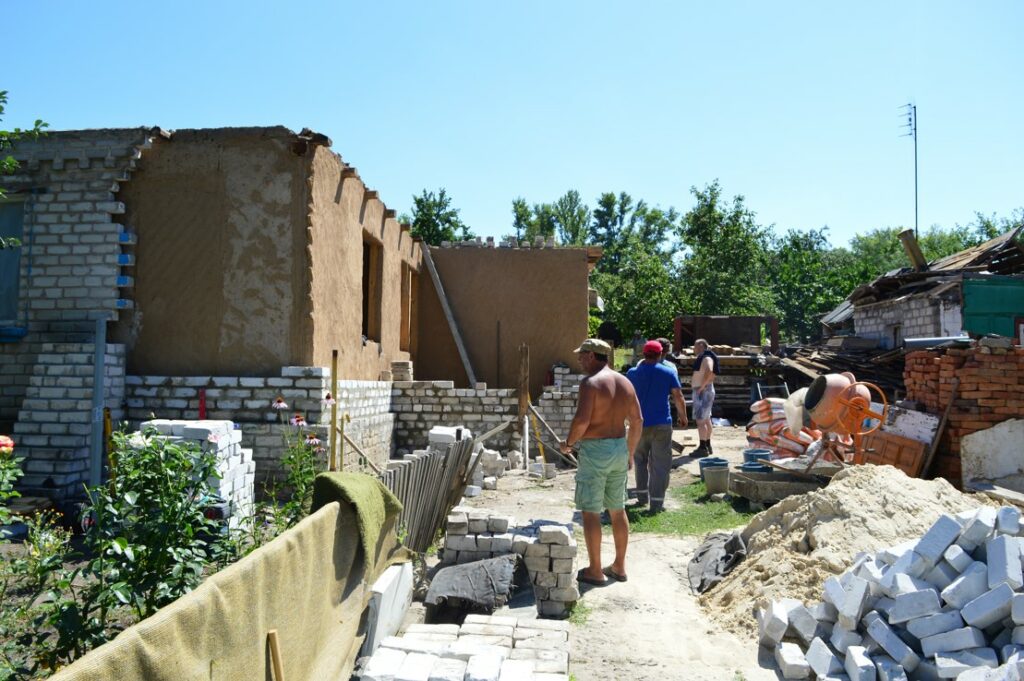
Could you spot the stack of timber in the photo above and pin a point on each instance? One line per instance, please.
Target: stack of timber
(884, 368)
(740, 372)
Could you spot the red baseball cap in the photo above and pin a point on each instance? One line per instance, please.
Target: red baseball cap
(653, 348)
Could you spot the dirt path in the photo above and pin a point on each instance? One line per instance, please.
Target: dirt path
(650, 627)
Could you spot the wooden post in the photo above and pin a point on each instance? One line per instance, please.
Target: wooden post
(341, 441)
(334, 411)
(275, 655)
(524, 400)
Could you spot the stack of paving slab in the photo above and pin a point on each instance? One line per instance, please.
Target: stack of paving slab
(945, 606)
(484, 648)
(492, 466)
(548, 550)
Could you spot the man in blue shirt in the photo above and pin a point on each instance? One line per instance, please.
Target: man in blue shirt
(655, 383)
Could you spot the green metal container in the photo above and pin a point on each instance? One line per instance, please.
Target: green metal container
(993, 304)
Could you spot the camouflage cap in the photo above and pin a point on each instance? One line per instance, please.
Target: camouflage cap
(595, 345)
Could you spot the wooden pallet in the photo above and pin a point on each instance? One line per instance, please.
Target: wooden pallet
(884, 448)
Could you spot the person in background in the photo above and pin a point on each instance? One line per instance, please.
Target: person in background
(705, 368)
(655, 383)
(606, 402)
(637, 345)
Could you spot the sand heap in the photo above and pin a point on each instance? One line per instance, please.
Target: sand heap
(798, 543)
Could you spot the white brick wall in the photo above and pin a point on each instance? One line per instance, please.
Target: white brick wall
(917, 318)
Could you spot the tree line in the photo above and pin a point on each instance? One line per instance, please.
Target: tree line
(714, 259)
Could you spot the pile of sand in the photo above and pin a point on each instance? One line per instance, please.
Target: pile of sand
(796, 544)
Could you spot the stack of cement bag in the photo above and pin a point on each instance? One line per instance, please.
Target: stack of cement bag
(946, 606)
(768, 430)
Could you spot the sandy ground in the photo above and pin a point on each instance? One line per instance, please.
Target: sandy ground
(650, 627)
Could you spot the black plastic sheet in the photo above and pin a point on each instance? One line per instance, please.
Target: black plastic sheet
(714, 559)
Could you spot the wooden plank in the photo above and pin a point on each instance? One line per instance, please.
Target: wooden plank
(810, 373)
(884, 448)
(927, 463)
(443, 298)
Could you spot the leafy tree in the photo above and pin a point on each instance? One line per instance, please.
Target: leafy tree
(8, 164)
(572, 219)
(641, 296)
(434, 220)
(725, 270)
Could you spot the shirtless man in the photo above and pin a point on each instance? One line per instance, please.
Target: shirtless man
(705, 367)
(606, 402)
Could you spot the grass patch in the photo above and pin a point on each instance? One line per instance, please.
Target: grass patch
(622, 357)
(580, 613)
(697, 516)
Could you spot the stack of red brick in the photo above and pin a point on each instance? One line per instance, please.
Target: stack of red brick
(991, 391)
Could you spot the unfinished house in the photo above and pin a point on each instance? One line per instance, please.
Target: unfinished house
(977, 290)
(220, 270)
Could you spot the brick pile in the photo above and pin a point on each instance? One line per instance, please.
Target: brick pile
(548, 550)
(236, 469)
(483, 648)
(946, 605)
(991, 391)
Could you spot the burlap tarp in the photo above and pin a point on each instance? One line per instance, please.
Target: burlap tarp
(311, 584)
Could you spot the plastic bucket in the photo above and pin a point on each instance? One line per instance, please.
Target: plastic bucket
(755, 467)
(717, 479)
(755, 455)
(711, 461)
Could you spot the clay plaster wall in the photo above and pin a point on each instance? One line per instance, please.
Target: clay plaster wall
(540, 296)
(222, 272)
(344, 213)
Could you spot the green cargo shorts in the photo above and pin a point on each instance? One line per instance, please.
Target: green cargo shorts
(601, 477)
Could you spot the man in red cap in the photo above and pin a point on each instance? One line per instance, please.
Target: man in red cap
(655, 383)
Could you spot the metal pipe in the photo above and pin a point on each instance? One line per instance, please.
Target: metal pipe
(98, 370)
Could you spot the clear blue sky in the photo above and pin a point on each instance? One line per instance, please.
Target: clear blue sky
(794, 105)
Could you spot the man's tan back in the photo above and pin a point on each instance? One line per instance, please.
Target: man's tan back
(612, 399)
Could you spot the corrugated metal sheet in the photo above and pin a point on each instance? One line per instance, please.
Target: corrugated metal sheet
(992, 304)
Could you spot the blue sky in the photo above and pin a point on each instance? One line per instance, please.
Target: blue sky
(794, 105)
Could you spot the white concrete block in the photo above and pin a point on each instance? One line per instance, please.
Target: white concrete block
(924, 627)
(1003, 555)
(1018, 636)
(484, 668)
(853, 608)
(384, 664)
(891, 554)
(498, 620)
(952, 664)
(841, 639)
(915, 604)
(893, 645)
(833, 592)
(821, 659)
(517, 670)
(958, 639)
(957, 558)
(464, 650)
(1010, 652)
(1008, 520)
(416, 667)
(390, 598)
(802, 623)
(858, 665)
(824, 612)
(971, 583)
(942, 575)
(791, 661)
(938, 538)
(978, 528)
(989, 608)
(889, 669)
(1017, 609)
(486, 630)
(554, 534)
(448, 669)
(773, 622)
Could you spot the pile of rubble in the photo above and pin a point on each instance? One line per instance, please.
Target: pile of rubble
(947, 605)
(483, 648)
(548, 549)
(492, 465)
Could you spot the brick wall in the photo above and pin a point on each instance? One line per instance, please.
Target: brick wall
(420, 405)
(247, 401)
(991, 391)
(916, 317)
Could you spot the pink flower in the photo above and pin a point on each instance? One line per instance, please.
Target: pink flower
(328, 400)
(312, 440)
(298, 420)
(213, 438)
(279, 404)
(6, 445)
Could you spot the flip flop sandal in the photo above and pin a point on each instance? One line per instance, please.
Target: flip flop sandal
(612, 574)
(583, 579)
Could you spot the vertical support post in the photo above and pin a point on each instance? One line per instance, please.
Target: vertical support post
(341, 441)
(497, 355)
(334, 411)
(773, 333)
(98, 389)
(524, 399)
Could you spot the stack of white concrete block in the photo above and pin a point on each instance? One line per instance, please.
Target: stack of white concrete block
(548, 550)
(492, 466)
(484, 648)
(401, 371)
(948, 605)
(235, 466)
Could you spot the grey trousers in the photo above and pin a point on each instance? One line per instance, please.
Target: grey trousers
(653, 464)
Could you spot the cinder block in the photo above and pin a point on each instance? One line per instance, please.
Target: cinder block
(891, 554)
(915, 604)
(989, 608)
(439, 629)
(484, 668)
(889, 669)
(1010, 653)
(464, 650)
(1003, 555)
(958, 639)
(858, 665)
(773, 622)
(941, 576)
(952, 664)
(384, 664)
(457, 523)
(1017, 609)
(853, 605)
(486, 630)
(448, 669)
(977, 529)
(791, 661)
(841, 638)
(833, 592)
(938, 538)
(554, 534)
(971, 583)
(517, 670)
(826, 612)
(802, 623)
(939, 623)
(821, 659)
